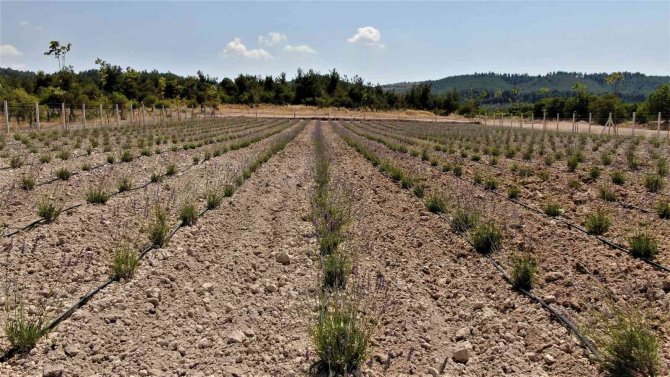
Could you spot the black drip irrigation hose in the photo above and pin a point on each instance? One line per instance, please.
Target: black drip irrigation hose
(34, 223)
(561, 318)
(85, 298)
(570, 225)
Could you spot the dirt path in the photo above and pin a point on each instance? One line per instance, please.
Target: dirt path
(215, 300)
(445, 297)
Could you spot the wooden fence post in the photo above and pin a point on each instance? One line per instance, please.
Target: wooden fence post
(4, 107)
(558, 120)
(633, 123)
(37, 114)
(574, 124)
(589, 123)
(178, 112)
(144, 123)
(153, 114)
(83, 110)
(521, 121)
(118, 117)
(544, 121)
(102, 123)
(132, 114)
(532, 121)
(62, 114)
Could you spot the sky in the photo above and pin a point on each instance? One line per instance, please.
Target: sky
(383, 42)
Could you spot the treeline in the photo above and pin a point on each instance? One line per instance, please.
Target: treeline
(111, 84)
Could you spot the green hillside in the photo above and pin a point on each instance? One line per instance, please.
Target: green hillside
(635, 86)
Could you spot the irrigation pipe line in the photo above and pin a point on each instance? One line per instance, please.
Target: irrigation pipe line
(34, 223)
(561, 318)
(561, 219)
(85, 298)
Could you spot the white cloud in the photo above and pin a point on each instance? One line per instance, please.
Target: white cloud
(367, 35)
(19, 67)
(302, 49)
(24, 23)
(28, 24)
(237, 48)
(9, 51)
(272, 39)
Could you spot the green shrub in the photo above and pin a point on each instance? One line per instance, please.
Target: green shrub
(643, 245)
(23, 332)
(45, 158)
(464, 220)
(607, 194)
(618, 177)
(662, 167)
(124, 263)
(406, 182)
(341, 337)
(524, 270)
(490, 183)
(335, 270)
(436, 204)
(573, 162)
(513, 192)
(86, 166)
(110, 159)
(574, 184)
(595, 172)
(126, 156)
(629, 346)
(188, 214)
(125, 184)
(63, 174)
(15, 162)
(214, 199)
(446, 168)
(486, 237)
(171, 170)
(27, 182)
(48, 209)
(196, 160)
(663, 209)
(145, 152)
(159, 228)
(458, 170)
(597, 223)
(64, 155)
(156, 177)
(97, 195)
(419, 190)
(228, 191)
(552, 209)
(653, 182)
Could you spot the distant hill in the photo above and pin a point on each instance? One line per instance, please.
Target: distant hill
(635, 86)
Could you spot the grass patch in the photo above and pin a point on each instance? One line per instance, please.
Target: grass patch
(486, 237)
(21, 331)
(125, 184)
(513, 192)
(188, 214)
(171, 170)
(159, 228)
(48, 209)
(124, 263)
(27, 182)
(336, 268)
(643, 245)
(63, 174)
(653, 182)
(597, 223)
(618, 177)
(213, 199)
(96, 196)
(524, 271)
(436, 204)
(663, 209)
(552, 209)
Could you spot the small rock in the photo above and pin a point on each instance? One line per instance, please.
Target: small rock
(236, 336)
(283, 258)
(553, 276)
(461, 355)
(433, 372)
(53, 371)
(71, 350)
(549, 359)
(462, 333)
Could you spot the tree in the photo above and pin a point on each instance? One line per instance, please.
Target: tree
(659, 102)
(614, 80)
(59, 52)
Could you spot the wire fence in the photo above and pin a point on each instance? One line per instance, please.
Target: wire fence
(17, 117)
(602, 123)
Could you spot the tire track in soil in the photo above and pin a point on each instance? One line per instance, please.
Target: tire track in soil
(215, 300)
(440, 287)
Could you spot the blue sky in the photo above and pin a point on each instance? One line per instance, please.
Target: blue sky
(383, 42)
